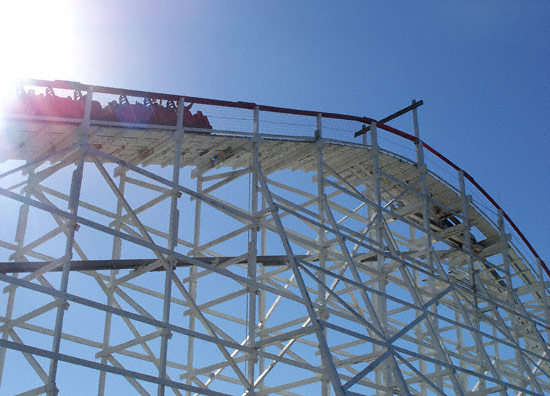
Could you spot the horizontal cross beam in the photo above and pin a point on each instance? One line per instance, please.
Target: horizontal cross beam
(365, 128)
(98, 265)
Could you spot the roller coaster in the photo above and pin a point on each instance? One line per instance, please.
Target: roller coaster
(155, 243)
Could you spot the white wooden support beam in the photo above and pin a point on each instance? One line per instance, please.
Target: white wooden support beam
(325, 352)
(21, 230)
(172, 244)
(193, 277)
(433, 330)
(211, 330)
(374, 331)
(382, 373)
(85, 126)
(128, 344)
(116, 254)
(253, 253)
(321, 233)
(302, 331)
(452, 231)
(31, 359)
(125, 204)
(378, 323)
(76, 184)
(504, 238)
(543, 295)
(432, 326)
(115, 369)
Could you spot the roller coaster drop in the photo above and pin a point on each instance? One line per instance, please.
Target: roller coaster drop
(239, 250)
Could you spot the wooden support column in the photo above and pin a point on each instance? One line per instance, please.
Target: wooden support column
(262, 301)
(467, 248)
(193, 282)
(17, 256)
(74, 197)
(116, 255)
(328, 362)
(428, 248)
(322, 239)
(253, 252)
(467, 245)
(544, 297)
(172, 243)
(382, 371)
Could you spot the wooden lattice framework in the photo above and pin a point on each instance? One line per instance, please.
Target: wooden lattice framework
(148, 259)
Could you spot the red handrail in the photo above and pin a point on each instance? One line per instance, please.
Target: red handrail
(475, 183)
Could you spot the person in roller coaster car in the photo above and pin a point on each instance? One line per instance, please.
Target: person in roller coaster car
(148, 112)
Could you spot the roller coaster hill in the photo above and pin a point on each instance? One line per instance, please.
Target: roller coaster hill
(152, 112)
(156, 243)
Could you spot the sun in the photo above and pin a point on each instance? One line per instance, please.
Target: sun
(36, 39)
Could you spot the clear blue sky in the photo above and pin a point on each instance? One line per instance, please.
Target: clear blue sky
(481, 68)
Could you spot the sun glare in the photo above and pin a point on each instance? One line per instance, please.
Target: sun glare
(37, 39)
